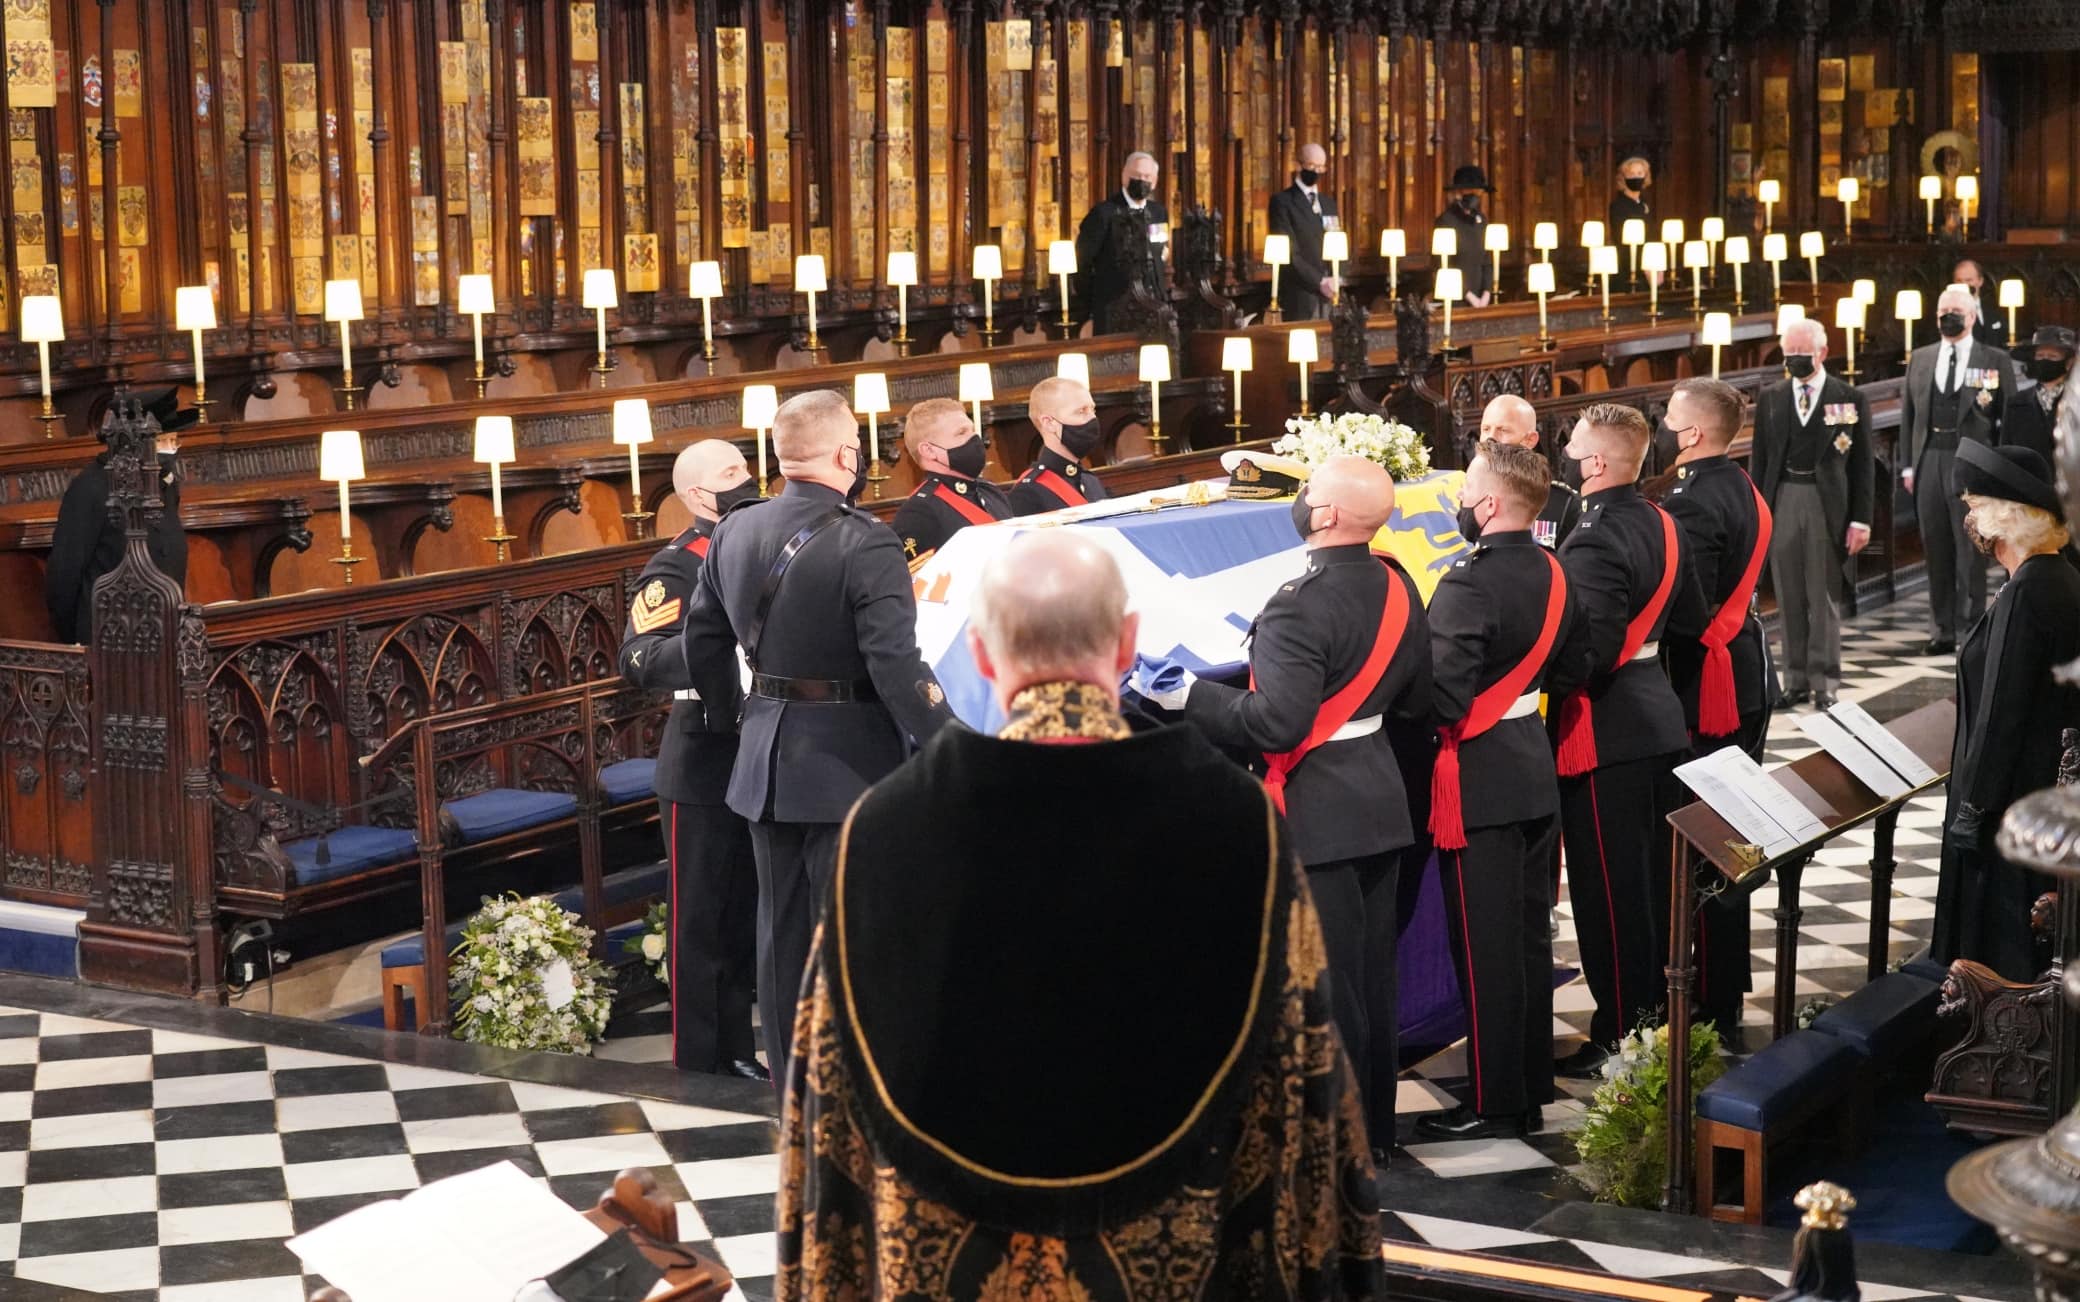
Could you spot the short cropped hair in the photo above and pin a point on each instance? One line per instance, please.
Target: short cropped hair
(2029, 529)
(924, 420)
(1521, 474)
(810, 425)
(1049, 612)
(1718, 402)
(1809, 331)
(1628, 424)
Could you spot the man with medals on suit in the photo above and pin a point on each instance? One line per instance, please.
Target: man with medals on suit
(1067, 419)
(2030, 419)
(1497, 620)
(1469, 189)
(817, 594)
(1122, 241)
(1302, 212)
(1331, 655)
(1949, 396)
(1620, 727)
(1812, 461)
(1721, 669)
(949, 453)
(714, 887)
(1510, 419)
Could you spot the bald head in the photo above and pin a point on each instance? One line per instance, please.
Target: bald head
(1510, 419)
(705, 469)
(1051, 607)
(1313, 157)
(1348, 499)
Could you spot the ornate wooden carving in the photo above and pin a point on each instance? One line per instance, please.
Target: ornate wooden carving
(1998, 1076)
(46, 798)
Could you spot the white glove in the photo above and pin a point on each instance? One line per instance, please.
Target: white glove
(1174, 698)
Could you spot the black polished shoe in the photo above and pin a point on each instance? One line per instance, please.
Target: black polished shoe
(1463, 1123)
(1940, 646)
(1382, 1158)
(1824, 702)
(748, 1068)
(1585, 1063)
(1796, 697)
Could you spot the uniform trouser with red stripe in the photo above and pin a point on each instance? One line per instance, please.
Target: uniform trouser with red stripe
(1725, 968)
(713, 918)
(1497, 899)
(1356, 900)
(1613, 821)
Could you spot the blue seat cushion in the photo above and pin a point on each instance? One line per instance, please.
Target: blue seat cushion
(504, 810)
(617, 936)
(411, 951)
(1927, 969)
(1787, 1075)
(1885, 1018)
(635, 883)
(627, 780)
(349, 849)
(619, 888)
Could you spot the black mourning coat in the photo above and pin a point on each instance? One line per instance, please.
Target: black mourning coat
(1843, 470)
(87, 544)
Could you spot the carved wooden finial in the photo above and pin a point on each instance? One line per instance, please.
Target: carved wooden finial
(1827, 1205)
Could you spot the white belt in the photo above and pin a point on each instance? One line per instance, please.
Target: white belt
(686, 694)
(1357, 728)
(1526, 704)
(1647, 652)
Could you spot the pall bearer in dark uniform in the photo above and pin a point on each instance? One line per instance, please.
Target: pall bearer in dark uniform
(950, 455)
(818, 595)
(87, 543)
(1302, 212)
(1122, 241)
(713, 897)
(1510, 419)
(1067, 419)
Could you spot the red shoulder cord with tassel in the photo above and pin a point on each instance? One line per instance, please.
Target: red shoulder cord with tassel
(1577, 727)
(1718, 702)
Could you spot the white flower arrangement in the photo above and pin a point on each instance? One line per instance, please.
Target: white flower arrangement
(1313, 440)
(653, 943)
(524, 978)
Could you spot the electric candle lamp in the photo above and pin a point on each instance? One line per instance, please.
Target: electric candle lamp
(1592, 240)
(870, 399)
(977, 389)
(1393, 246)
(1864, 291)
(43, 324)
(1967, 199)
(988, 267)
(599, 293)
(1303, 351)
(1236, 358)
(343, 304)
(1603, 263)
(1849, 318)
(1538, 279)
(1278, 251)
(1633, 235)
(1810, 247)
(1713, 232)
(1695, 253)
(473, 299)
(1653, 259)
(1061, 264)
(1155, 368)
(1672, 236)
(494, 448)
(1074, 366)
(1931, 190)
(704, 282)
(809, 280)
(195, 311)
(1444, 245)
(1545, 237)
(1717, 333)
(761, 403)
(1770, 193)
(339, 461)
(902, 273)
(1451, 286)
(1848, 190)
(1775, 248)
(1906, 307)
(2011, 298)
(1736, 252)
(1789, 313)
(1336, 249)
(1496, 240)
(632, 430)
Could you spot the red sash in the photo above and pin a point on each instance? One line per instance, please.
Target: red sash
(1340, 708)
(1718, 702)
(1060, 487)
(1577, 729)
(1447, 822)
(699, 547)
(970, 511)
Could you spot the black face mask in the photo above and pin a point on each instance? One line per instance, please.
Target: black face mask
(2047, 370)
(1469, 524)
(1081, 439)
(968, 459)
(1470, 202)
(1571, 472)
(1308, 176)
(859, 475)
(1303, 518)
(1635, 183)
(730, 498)
(1799, 365)
(1951, 324)
(1137, 189)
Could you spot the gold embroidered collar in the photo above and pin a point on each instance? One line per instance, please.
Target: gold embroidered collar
(1048, 711)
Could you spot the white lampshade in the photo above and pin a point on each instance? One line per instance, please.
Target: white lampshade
(1736, 250)
(342, 300)
(988, 263)
(704, 280)
(902, 268)
(193, 308)
(1712, 229)
(1769, 191)
(1967, 188)
(1061, 258)
(1236, 353)
(1444, 242)
(1496, 238)
(1278, 250)
(1336, 246)
(761, 401)
(1864, 291)
(1393, 243)
(473, 295)
(598, 289)
(1848, 189)
(1074, 366)
(339, 455)
(1451, 285)
(1811, 245)
(1848, 313)
(1672, 231)
(494, 439)
(1545, 237)
(1775, 247)
(1931, 187)
(870, 393)
(1302, 346)
(43, 321)
(1155, 363)
(1718, 329)
(1787, 314)
(1696, 253)
(1654, 257)
(808, 273)
(1634, 231)
(1603, 260)
(1593, 235)
(631, 420)
(2011, 293)
(975, 382)
(1538, 278)
(1906, 305)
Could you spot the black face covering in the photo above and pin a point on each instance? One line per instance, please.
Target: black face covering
(1081, 439)
(1469, 524)
(1799, 365)
(1635, 183)
(1470, 202)
(1309, 177)
(730, 498)
(1137, 189)
(1303, 518)
(859, 474)
(1951, 324)
(2047, 370)
(1571, 472)
(968, 459)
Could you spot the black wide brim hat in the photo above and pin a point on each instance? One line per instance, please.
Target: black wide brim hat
(2049, 336)
(2010, 474)
(1470, 178)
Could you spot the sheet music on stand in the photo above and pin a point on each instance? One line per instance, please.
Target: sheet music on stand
(1897, 755)
(1751, 801)
(1853, 755)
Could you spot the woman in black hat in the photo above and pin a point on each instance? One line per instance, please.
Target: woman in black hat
(1469, 189)
(2032, 413)
(2013, 713)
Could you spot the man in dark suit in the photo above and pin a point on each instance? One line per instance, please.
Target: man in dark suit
(1497, 620)
(1469, 190)
(1510, 419)
(1987, 325)
(1949, 396)
(1635, 174)
(1302, 212)
(950, 455)
(1333, 653)
(1123, 241)
(818, 595)
(1620, 726)
(714, 886)
(1067, 419)
(2031, 418)
(1812, 461)
(87, 542)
